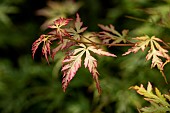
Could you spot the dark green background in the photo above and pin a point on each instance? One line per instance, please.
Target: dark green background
(33, 86)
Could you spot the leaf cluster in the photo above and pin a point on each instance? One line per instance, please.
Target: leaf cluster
(155, 52)
(69, 41)
(69, 38)
(159, 102)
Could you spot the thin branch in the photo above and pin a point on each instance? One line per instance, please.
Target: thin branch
(135, 18)
(120, 45)
(87, 39)
(94, 43)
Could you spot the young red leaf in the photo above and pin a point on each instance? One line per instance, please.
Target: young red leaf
(46, 39)
(58, 24)
(36, 44)
(46, 49)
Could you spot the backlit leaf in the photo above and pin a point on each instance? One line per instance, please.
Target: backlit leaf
(142, 43)
(156, 53)
(110, 35)
(75, 33)
(100, 51)
(46, 39)
(58, 26)
(91, 63)
(71, 64)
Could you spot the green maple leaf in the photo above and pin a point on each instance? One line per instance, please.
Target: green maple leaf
(111, 36)
(75, 33)
(158, 101)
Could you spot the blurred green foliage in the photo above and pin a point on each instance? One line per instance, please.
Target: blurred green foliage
(33, 86)
(55, 10)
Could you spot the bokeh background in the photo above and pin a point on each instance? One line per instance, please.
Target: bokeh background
(33, 86)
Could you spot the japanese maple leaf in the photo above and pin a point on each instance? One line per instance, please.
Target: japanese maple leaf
(75, 33)
(91, 63)
(158, 102)
(156, 61)
(71, 64)
(110, 35)
(100, 51)
(156, 52)
(142, 43)
(46, 39)
(78, 24)
(58, 26)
